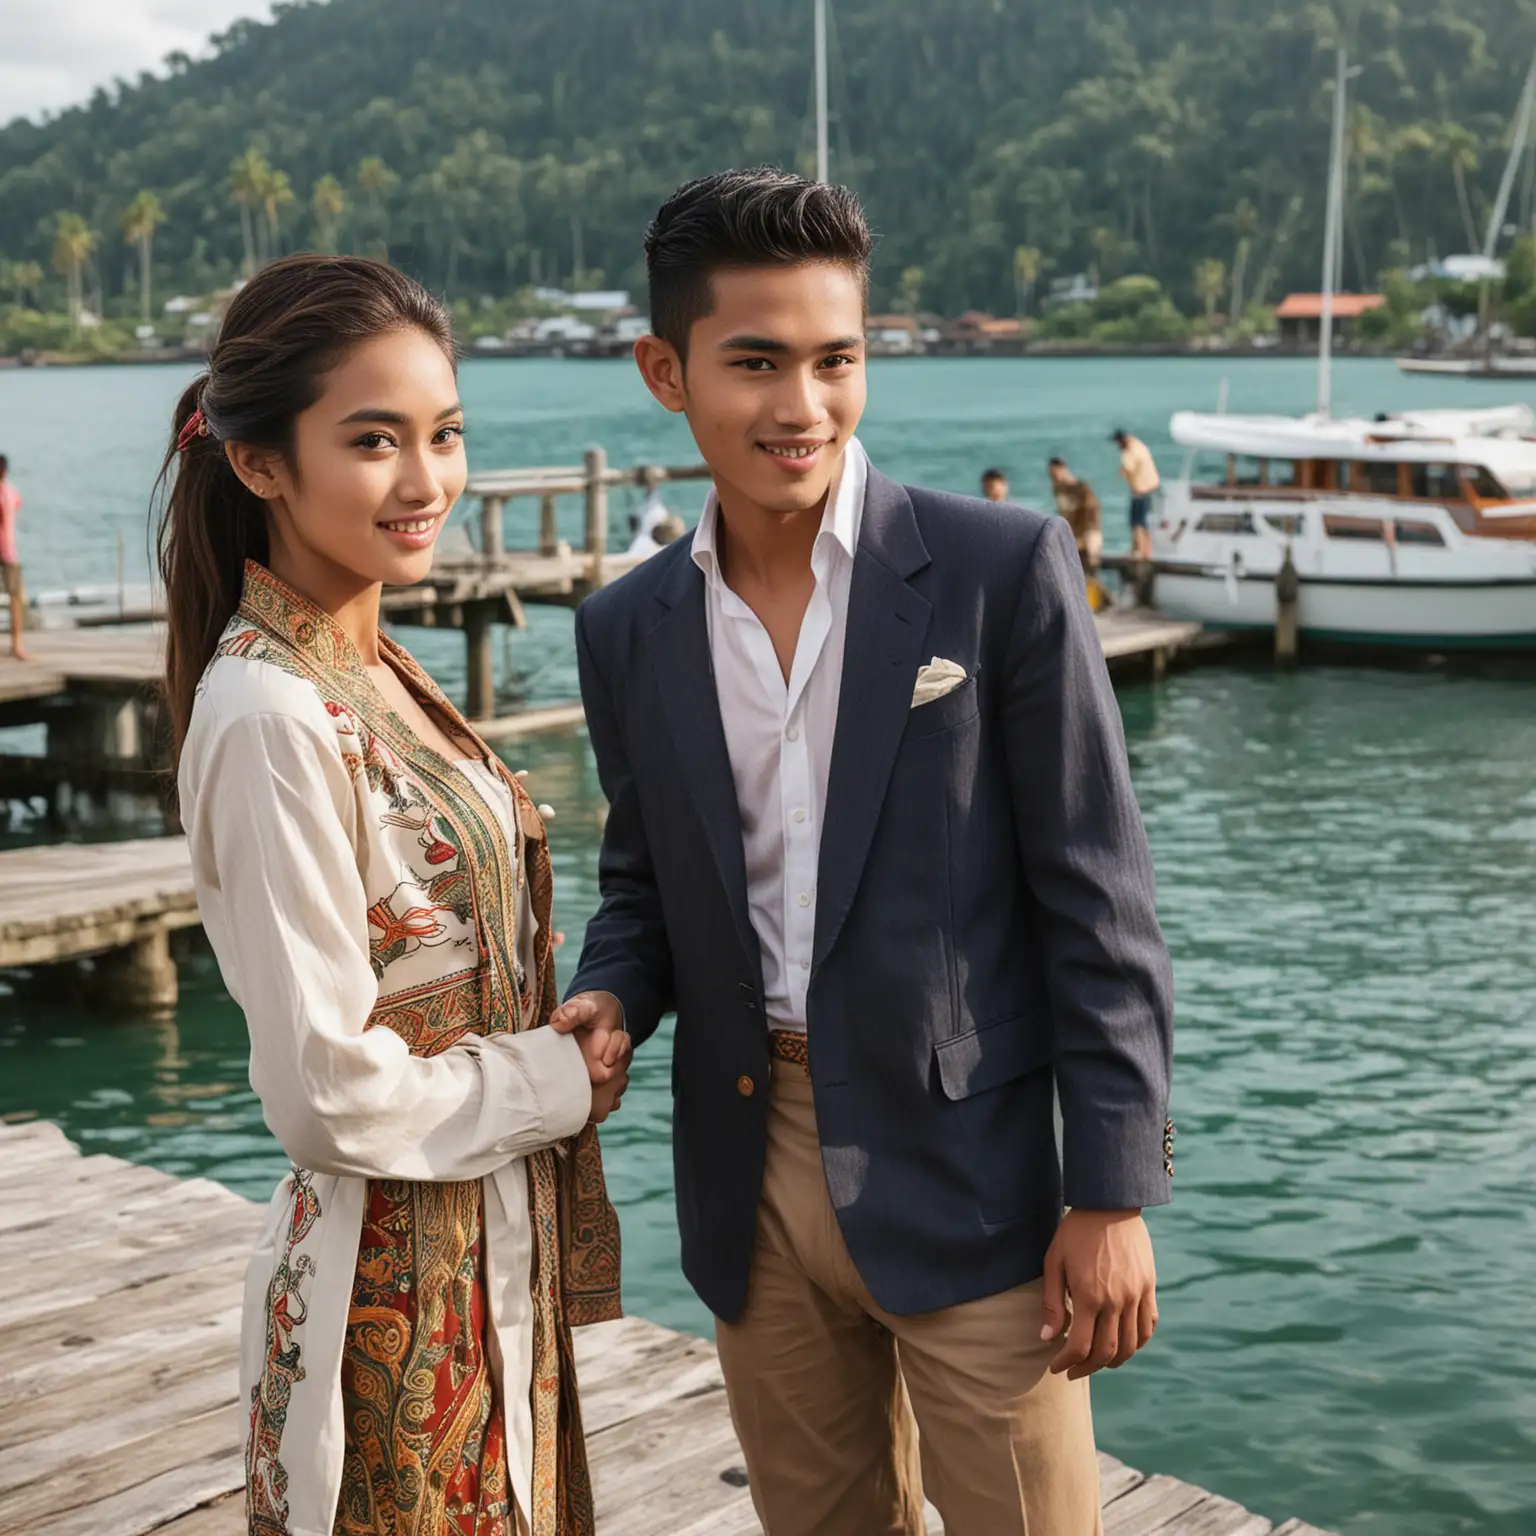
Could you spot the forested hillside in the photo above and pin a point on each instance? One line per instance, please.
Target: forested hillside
(490, 143)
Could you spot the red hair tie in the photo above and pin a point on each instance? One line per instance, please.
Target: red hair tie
(196, 426)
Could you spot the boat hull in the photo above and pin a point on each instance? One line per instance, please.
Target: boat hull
(1429, 615)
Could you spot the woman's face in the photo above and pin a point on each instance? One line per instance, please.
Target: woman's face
(378, 464)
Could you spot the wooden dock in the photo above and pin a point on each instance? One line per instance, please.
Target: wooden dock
(118, 1397)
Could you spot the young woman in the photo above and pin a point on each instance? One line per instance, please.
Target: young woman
(377, 890)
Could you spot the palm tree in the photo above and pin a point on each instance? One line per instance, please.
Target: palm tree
(374, 179)
(24, 279)
(1210, 284)
(910, 290)
(329, 201)
(247, 177)
(1245, 225)
(1457, 146)
(72, 247)
(1026, 273)
(276, 192)
(143, 217)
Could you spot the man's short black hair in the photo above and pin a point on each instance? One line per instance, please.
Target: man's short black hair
(1056, 462)
(992, 474)
(1119, 435)
(5, 464)
(763, 217)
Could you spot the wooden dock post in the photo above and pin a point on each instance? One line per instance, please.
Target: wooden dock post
(597, 514)
(491, 537)
(479, 661)
(140, 978)
(549, 524)
(1287, 597)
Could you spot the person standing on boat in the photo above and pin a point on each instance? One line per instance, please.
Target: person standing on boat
(10, 560)
(1139, 470)
(377, 889)
(872, 837)
(1076, 502)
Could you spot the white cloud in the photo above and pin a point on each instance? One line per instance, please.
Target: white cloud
(54, 53)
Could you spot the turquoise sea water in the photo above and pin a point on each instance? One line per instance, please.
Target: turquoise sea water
(1348, 1272)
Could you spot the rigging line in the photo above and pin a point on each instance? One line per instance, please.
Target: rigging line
(840, 80)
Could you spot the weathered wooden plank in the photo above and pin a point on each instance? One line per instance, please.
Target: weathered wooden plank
(153, 1503)
(211, 1437)
(146, 1376)
(1150, 1506)
(21, 1133)
(1216, 1516)
(1115, 1478)
(137, 1417)
(217, 1316)
(165, 1203)
(627, 1374)
(56, 1281)
(224, 1518)
(1299, 1528)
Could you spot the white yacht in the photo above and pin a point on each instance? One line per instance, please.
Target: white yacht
(1417, 529)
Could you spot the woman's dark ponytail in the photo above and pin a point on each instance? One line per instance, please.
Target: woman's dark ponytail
(210, 525)
(285, 330)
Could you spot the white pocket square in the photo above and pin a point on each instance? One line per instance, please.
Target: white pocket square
(935, 680)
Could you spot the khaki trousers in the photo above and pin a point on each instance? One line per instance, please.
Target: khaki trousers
(848, 1414)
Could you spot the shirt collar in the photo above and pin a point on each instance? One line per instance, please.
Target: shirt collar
(840, 522)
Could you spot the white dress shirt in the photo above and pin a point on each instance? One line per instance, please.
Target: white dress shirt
(779, 735)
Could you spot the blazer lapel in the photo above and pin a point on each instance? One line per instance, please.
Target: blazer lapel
(887, 630)
(679, 647)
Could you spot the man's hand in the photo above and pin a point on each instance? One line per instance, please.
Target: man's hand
(597, 1021)
(1102, 1260)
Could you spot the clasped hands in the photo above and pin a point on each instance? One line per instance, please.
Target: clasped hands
(597, 1021)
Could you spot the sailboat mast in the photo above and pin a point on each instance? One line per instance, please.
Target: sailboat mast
(1517, 150)
(1331, 242)
(822, 168)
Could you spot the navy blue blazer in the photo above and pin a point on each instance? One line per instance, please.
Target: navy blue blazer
(985, 921)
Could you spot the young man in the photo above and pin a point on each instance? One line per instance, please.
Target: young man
(1077, 503)
(1139, 471)
(10, 560)
(872, 836)
(994, 485)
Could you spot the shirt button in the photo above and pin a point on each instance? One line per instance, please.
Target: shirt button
(799, 815)
(804, 898)
(793, 733)
(745, 1086)
(805, 965)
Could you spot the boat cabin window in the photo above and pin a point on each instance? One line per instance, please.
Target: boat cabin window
(1372, 478)
(1409, 531)
(1291, 524)
(1243, 469)
(1358, 528)
(1483, 484)
(1286, 474)
(1226, 522)
(1434, 482)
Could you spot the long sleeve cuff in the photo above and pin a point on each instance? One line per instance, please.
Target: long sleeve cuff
(555, 1070)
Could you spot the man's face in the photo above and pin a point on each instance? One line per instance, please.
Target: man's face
(996, 489)
(774, 384)
(1060, 474)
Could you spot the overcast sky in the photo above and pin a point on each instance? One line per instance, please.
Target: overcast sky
(54, 53)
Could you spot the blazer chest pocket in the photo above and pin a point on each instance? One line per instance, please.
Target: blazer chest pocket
(990, 1056)
(952, 709)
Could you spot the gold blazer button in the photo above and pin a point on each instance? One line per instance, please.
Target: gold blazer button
(745, 1086)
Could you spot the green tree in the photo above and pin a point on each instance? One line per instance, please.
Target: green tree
(1026, 273)
(144, 216)
(1210, 284)
(329, 201)
(1245, 226)
(1457, 146)
(73, 243)
(247, 181)
(24, 279)
(276, 193)
(375, 180)
(910, 291)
